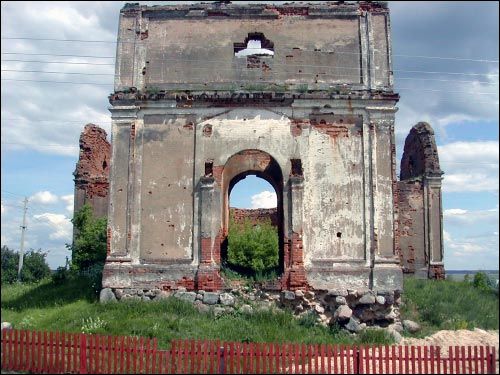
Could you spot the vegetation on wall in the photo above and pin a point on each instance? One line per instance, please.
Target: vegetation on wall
(89, 245)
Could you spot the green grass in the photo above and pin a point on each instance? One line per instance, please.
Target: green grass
(72, 307)
(447, 304)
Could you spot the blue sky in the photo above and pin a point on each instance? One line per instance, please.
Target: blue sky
(436, 47)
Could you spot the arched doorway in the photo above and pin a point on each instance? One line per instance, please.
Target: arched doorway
(260, 164)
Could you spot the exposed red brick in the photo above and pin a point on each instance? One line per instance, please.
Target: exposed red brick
(333, 130)
(208, 279)
(420, 155)
(255, 216)
(92, 170)
(437, 272)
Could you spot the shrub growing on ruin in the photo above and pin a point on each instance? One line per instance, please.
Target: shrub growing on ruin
(89, 245)
(253, 247)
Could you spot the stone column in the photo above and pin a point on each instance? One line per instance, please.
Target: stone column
(117, 270)
(434, 222)
(386, 274)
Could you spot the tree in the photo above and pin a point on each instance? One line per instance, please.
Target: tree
(89, 244)
(35, 267)
(253, 247)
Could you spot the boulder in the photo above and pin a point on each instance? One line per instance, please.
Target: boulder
(319, 309)
(343, 312)
(288, 295)
(353, 325)
(186, 296)
(107, 295)
(411, 326)
(380, 300)
(299, 293)
(226, 299)
(340, 300)
(335, 293)
(210, 298)
(367, 299)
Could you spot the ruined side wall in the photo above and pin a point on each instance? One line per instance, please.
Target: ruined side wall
(255, 215)
(411, 227)
(420, 231)
(92, 171)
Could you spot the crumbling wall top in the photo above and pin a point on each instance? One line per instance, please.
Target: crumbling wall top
(237, 10)
(94, 158)
(420, 156)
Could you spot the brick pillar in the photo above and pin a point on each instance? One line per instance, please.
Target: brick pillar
(294, 276)
(208, 276)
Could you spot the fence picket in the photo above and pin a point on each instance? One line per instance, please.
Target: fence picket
(482, 358)
(457, 360)
(464, 363)
(438, 360)
(493, 360)
(59, 352)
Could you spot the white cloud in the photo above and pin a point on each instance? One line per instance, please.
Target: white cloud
(3, 209)
(265, 199)
(69, 200)
(454, 211)
(469, 166)
(60, 224)
(44, 197)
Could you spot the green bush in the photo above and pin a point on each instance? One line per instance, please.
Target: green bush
(89, 245)
(253, 247)
(60, 275)
(482, 281)
(35, 267)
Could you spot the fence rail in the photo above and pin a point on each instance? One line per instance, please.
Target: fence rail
(55, 352)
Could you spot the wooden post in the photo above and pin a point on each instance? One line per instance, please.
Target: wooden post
(83, 354)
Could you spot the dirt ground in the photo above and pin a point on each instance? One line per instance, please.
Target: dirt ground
(444, 339)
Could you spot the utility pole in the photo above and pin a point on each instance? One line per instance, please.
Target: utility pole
(23, 229)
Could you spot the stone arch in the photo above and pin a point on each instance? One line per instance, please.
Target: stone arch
(420, 155)
(237, 167)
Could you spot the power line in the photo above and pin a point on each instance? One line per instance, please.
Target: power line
(302, 73)
(47, 81)
(109, 84)
(59, 62)
(46, 72)
(39, 145)
(277, 64)
(57, 121)
(53, 54)
(288, 46)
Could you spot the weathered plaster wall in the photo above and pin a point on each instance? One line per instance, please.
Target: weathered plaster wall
(185, 131)
(193, 46)
(166, 188)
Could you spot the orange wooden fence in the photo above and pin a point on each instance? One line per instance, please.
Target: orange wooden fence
(49, 352)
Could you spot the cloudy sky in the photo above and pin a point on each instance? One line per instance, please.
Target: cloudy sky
(445, 67)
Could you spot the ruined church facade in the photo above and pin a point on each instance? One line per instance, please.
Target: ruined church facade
(207, 94)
